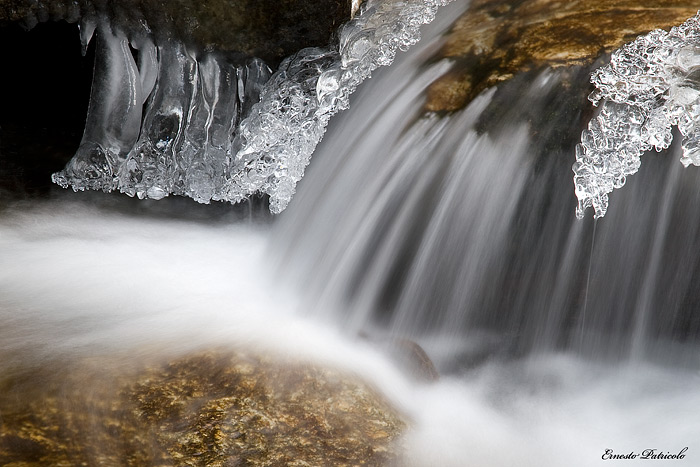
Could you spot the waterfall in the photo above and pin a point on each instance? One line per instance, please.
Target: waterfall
(558, 341)
(457, 231)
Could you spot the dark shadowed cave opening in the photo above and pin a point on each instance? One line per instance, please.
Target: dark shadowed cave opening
(45, 94)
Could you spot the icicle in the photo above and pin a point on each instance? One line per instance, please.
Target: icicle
(212, 117)
(252, 78)
(215, 131)
(151, 169)
(113, 120)
(148, 65)
(87, 27)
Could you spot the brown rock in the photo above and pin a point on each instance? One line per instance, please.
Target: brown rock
(208, 409)
(496, 39)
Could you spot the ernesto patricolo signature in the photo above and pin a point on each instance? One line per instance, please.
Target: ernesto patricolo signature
(646, 454)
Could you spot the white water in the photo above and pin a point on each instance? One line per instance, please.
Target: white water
(85, 275)
(79, 279)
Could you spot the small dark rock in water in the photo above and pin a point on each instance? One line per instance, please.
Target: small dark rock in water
(413, 358)
(497, 39)
(408, 354)
(206, 409)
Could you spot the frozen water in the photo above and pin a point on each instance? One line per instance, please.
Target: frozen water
(650, 85)
(148, 65)
(151, 169)
(276, 141)
(114, 116)
(214, 129)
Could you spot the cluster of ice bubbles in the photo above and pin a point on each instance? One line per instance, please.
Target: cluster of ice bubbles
(203, 126)
(650, 85)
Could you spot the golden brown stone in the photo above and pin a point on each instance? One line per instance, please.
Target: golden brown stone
(496, 39)
(207, 409)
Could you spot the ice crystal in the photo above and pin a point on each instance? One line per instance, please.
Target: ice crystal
(276, 141)
(650, 85)
(215, 130)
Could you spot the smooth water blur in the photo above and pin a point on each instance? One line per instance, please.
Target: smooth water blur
(94, 275)
(459, 231)
(553, 411)
(88, 279)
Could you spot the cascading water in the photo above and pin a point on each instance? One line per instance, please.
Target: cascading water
(462, 230)
(455, 231)
(462, 237)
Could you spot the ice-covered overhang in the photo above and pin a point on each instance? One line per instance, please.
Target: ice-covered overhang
(173, 113)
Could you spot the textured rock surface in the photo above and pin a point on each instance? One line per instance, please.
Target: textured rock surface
(207, 409)
(269, 29)
(496, 39)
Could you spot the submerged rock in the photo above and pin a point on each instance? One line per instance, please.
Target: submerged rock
(212, 408)
(496, 39)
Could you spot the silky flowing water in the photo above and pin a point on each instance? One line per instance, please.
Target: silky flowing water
(457, 232)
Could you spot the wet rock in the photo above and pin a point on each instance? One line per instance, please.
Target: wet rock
(497, 39)
(208, 409)
(415, 360)
(408, 355)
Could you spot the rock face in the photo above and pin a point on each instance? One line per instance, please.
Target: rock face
(496, 39)
(208, 409)
(268, 29)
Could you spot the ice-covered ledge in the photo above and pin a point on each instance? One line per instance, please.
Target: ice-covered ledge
(650, 86)
(219, 128)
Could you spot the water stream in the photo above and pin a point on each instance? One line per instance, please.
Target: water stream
(456, 232)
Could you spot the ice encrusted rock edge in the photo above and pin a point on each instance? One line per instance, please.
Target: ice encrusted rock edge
(275, 143)
(649, 86)
(213, 130)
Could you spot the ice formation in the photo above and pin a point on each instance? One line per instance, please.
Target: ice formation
(650, 85)
(215, 129)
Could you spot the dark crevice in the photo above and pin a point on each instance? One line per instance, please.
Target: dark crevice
(45, 88)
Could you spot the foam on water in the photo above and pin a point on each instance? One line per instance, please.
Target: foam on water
(555, 410)
(79, 278)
